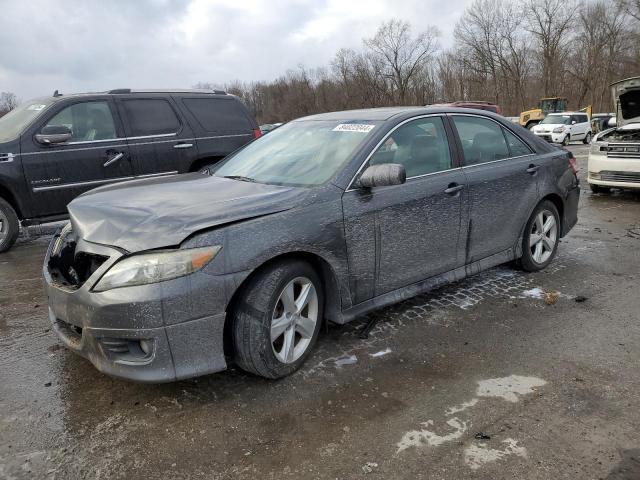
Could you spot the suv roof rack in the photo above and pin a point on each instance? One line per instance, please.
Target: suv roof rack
(122, 91)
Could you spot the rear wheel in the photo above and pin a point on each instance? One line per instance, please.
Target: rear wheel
(587, 138)
(541, 236)
(277, 319)
(9, 226)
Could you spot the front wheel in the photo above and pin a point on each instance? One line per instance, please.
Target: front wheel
(566, 140)
(587, 138)
(9, 226)
(277, 319)
(541, 236)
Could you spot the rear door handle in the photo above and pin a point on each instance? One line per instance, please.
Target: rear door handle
(533, 168)
(116, 158)
(179, 146)
(453, 189)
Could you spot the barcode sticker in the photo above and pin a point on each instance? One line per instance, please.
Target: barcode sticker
(354, 127)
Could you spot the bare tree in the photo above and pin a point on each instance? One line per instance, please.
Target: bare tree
(402, 55)
(8, 101)
(550, 23)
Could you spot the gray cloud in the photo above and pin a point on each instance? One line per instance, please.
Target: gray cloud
(95, 45)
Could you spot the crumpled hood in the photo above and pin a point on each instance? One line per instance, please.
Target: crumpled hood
(160, 212)
(626, 101)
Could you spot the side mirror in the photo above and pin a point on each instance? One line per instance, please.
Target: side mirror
(383, 175)
(573, 122)
(52, 134)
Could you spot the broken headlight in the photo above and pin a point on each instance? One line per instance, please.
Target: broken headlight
(155, 267)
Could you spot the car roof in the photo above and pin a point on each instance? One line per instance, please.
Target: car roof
(127, 91)
(385, 113)
(566, 113)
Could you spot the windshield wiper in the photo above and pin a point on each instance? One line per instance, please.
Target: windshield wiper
(240, 177)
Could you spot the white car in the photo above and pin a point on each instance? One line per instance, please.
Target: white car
(614, 157)
(564, 127)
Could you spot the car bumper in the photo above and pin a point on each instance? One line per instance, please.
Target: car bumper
(152, 333)
(609, 171)
(551, 137)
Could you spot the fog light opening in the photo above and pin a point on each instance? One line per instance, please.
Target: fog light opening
(146, 346)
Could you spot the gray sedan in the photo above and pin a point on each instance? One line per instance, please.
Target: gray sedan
(324, 219)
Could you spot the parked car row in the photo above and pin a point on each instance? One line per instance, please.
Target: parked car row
(53, 149)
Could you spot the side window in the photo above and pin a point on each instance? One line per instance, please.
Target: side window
(87, 121)
(150, 116)
(218, 114)
(421, 146)
(584, 119)
(482, 140)
(516, 146)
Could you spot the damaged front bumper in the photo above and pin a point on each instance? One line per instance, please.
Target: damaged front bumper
(151, 333)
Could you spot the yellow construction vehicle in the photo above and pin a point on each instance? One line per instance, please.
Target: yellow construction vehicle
(547, 105)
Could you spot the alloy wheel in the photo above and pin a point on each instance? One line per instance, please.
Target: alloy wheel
(543, 236)
(4, 226)
(294, 320)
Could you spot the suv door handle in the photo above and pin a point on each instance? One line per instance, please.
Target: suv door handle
(182, 145)
(453, 189)
(533, 169)
(116, 158)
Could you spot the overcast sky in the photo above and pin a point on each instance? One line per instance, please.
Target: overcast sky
(77, 46)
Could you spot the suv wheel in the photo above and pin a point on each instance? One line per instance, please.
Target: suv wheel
(9, 226)
(277, 319)
(587, 138)
(541, 237)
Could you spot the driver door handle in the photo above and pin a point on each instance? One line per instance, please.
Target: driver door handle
(178, 146)
(115, 158)
(453, 189)
(533, 168)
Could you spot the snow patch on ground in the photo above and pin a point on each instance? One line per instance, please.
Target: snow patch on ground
(507, 387)
(381, 353)
(475, 456)
(461, 408)
(420, 438)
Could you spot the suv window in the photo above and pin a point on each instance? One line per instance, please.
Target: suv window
(87, 121)
(150, 116)
(218, 114)
(482, 140)
(516, 146)
(420, 145)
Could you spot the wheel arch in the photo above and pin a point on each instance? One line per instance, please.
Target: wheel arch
(328, 276)
(198, 163)
(10, 197)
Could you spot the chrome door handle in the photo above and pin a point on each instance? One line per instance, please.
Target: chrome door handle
(116, 158)
(453, 189)
(182, 145)
(533, 169)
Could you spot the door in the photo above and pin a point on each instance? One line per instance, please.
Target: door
(401, 234)
(501, 175)
(161, 142)
(96, 154)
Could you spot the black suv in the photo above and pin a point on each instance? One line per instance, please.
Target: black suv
(53, 149)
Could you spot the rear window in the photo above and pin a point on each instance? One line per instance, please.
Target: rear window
(218, 114)
(150, 116)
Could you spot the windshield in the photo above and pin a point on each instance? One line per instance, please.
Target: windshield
(14, 122)
(302, 153)
(557, 120)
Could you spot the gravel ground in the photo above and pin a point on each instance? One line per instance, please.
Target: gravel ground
(503, 375)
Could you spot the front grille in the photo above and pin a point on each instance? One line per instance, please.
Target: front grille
(619, 150)
(69, 267)
(631, 177)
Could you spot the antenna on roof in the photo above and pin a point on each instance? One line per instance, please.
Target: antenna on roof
(57, 94)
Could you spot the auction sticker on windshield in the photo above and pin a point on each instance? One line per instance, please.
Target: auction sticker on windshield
(354, 127)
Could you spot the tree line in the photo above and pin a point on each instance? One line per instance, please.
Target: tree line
(507, 52)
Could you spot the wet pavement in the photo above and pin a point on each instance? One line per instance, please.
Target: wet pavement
(503, 375)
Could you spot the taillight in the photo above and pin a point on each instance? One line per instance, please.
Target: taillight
(257, 133)
(572, 163)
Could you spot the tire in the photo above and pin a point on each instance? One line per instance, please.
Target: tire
(566, 140)
(259, 339)
(9, 226)
(538, 252)
(587, 138)
(598, 188)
